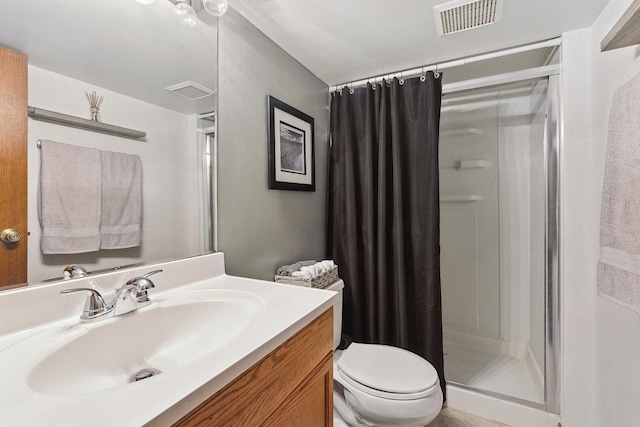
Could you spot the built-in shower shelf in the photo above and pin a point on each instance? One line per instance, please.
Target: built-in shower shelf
(78, 122)
(626, 32)
(473, 164)
(461, 199)
(461, 132)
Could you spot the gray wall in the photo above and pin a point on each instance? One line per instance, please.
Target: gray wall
(261, 229)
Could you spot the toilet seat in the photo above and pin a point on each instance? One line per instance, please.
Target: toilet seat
(387, 372)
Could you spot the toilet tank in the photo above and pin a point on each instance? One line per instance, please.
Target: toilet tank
(337, 286)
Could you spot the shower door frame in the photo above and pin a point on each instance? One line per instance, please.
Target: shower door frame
(552, 139)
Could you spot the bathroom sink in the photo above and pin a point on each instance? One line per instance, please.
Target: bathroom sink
(172, 332)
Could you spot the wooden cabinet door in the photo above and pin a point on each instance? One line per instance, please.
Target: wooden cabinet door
(292, 383)
(311, 404)
(13, 165)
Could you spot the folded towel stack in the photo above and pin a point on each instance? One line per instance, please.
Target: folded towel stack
(314, 270)
(308, 273)
(287, 270)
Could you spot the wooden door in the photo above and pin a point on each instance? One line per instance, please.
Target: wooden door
(13, 166)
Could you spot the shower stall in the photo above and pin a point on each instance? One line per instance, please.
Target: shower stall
(499, 239)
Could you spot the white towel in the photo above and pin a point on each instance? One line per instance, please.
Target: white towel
(619, 266)
(69, 201)
(328, 264)
(121, 200)
(303, 274)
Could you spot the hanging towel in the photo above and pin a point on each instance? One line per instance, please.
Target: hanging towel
(619, 266)
(121, 200)
(69, 201)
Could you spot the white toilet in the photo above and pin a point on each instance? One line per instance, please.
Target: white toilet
(381, 385)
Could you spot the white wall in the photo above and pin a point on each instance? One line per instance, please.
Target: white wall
(601, 340)
(579, 211)
(616, 329)
(170, 214)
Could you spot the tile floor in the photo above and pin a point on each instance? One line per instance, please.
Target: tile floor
(453, 418)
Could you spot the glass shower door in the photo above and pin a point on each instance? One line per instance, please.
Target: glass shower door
(493, 188)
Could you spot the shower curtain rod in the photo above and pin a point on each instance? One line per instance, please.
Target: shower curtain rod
(450, 64)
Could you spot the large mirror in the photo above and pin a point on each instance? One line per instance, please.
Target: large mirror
(131, 54)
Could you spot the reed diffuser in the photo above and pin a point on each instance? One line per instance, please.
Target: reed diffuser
(94, 101)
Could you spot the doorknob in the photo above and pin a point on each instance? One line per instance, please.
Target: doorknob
(10, 235)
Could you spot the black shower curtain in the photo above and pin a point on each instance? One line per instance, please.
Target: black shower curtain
(384, 215)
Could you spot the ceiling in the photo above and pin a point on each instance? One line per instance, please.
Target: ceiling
(118, 45)
(130, 48)
(346, 40)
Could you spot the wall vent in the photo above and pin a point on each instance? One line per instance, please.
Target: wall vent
(461, 15)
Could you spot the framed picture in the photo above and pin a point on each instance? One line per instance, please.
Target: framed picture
(291, 153)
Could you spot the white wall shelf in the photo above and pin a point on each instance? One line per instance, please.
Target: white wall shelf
(626, 32)
(78, 122)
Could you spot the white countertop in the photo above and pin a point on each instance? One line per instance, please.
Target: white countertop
(162, 399)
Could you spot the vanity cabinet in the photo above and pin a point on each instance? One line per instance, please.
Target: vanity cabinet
(291, 386)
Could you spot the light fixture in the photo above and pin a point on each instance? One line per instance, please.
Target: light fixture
(215, 7)
(184, 14)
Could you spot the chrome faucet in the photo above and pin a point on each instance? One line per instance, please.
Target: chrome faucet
(132, 296)
(74, 272)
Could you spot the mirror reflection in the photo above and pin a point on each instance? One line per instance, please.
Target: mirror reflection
(155, 76)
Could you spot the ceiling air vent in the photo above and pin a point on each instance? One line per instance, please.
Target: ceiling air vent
(190, 90)
(463, 15)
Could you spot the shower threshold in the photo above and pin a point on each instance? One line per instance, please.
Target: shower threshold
(493, 365)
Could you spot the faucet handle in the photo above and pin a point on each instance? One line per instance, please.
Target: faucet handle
(142, 284)
(73, 272)
(151, 273)
(94, 306)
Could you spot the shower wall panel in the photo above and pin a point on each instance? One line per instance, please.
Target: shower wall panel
(470, 262)
(514, 148)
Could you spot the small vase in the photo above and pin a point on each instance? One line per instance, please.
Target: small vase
(95, 114)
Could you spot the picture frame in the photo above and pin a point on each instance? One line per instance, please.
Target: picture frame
(291, 148)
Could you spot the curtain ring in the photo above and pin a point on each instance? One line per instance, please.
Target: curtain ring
(351, 91)
(401, 80)
(423, 77)
(436, 73)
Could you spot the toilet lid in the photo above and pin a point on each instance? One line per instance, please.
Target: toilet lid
(388, 369)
